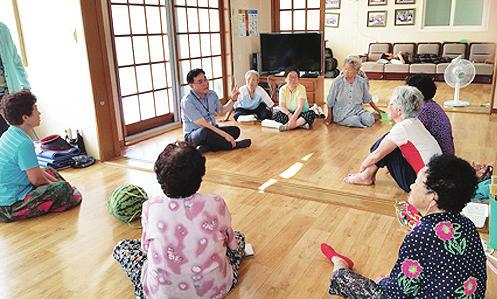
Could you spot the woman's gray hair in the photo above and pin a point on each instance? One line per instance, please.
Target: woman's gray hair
(250, 73)
(408, 99)
(354, 61)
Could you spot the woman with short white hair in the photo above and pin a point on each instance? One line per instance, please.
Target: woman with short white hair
(253, 99)
(406, 149)
(347, 94)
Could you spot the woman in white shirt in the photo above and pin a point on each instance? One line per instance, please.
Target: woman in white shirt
(406, 149)
(253, 99)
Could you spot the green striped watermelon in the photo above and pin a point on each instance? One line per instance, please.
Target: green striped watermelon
(126, 202)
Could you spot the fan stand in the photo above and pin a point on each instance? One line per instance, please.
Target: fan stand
(456, 102)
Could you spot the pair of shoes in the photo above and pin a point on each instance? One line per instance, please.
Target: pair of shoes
(306, 126)
(318, 111)
(203, 148)
(329, 252)
(243, 143)
(283, 128)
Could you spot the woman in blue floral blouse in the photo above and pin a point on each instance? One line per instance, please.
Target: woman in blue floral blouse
(442, 257)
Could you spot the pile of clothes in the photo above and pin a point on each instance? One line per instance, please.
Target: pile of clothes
(53, 151)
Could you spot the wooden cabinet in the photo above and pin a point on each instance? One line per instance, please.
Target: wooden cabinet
(313, 86)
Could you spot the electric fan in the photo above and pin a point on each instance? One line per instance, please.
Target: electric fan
(459, 74)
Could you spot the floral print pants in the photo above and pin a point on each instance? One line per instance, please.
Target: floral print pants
(348, 284)
(129, 255)
(55, 197)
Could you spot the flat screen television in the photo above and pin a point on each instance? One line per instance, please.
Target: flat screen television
(281, 50)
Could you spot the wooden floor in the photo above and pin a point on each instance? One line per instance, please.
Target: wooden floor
(478, 95)
(285, 192)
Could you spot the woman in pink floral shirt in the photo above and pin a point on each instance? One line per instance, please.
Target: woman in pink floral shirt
(188, 248)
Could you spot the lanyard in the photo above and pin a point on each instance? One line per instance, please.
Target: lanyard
(201, 103)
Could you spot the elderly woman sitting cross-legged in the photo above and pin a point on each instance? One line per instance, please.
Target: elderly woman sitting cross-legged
(405, 149)
(442, 257)
(253, 99)
(348, 93)
(26, 190)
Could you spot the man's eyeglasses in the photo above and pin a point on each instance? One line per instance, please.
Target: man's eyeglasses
(202, 81)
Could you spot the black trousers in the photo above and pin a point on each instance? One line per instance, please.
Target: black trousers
(261, 111)
(215, 142)
(400, 170)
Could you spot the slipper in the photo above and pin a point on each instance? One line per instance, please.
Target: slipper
(329, 252)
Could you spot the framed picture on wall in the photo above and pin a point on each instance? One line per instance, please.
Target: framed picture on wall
(405, 1)
(405, 16)
(332, 19)
(332, 4)
(377, 18)
(377, 2)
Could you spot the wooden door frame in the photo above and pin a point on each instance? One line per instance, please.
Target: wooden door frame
(98, 61)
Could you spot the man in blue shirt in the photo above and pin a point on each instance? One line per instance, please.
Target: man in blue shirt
(199, 109)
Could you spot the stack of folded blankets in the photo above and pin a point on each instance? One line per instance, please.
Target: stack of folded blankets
(53, 151)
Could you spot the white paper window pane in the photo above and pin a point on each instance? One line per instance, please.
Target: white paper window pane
(214, 19)
(144, 78)
(153, 20)
(120, 19)
(203, 15)
(168, 74)
(207, 66)
(217, 67)
(152, 1)
(196, 63)
(161, 103)
(313, 3)
(156, 50)
(205, 44)
(181, 20)
(185, 68)
(299, 20)
(167, 57)
(218, 88)
(164, 21)
(195, 45)
(192, 20)
(285, 4)
(170, 99)
(124, 51)
(203, 3)
(131, 110)
(313, 19)
(137, 14)
(216, 44)
(184, 90)
(298, 4)
(147, 108)
(213, 3)
(119, 1)
(127, 80)
(183, 46)
(162, 2)
(159, 75)
(191, 2)
(136, 1)
(140, 45)
(285, 20)
(179, 2)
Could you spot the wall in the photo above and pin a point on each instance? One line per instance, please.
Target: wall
(353, 36)
(243, 47)
(58, 66)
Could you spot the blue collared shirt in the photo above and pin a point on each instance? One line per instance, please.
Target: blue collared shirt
(195, 107)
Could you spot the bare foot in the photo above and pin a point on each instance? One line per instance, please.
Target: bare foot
(339, 263)
(358, 179)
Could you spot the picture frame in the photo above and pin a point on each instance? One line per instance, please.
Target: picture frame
(405, 1)
(377, 2)
(332, 19)
(332, 4)
(377, 18)
(405, 17)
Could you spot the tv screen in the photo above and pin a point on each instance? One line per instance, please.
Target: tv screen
(281, 50)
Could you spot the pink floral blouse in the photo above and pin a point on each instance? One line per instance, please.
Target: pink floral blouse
(185, 241)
